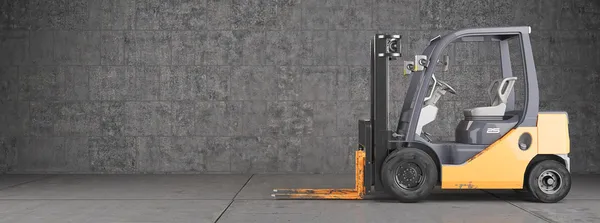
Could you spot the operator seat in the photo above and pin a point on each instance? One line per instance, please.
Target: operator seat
(498, 92)
(485, 125)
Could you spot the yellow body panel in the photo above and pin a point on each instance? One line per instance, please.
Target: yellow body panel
(553, 133)
(502, 165)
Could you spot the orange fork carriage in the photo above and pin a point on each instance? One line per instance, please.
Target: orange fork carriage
(342, 194)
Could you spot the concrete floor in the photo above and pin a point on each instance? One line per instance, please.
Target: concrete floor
(246, 198)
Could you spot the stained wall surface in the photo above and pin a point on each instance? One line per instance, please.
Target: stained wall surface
(125, 86)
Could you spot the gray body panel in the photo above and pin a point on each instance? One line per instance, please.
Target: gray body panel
(452, 153)
(483, 132)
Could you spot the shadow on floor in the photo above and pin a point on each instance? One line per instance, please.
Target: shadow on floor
(475, 195)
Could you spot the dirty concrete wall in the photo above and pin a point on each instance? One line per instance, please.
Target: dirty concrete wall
(124, 86)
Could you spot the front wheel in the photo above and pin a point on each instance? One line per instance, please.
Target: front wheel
(549, 181)
(409, 174)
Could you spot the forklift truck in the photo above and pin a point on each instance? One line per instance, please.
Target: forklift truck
(496, 146)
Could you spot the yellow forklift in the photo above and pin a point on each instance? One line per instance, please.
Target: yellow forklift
(496, 146)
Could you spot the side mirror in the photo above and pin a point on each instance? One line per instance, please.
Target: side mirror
(445, 63)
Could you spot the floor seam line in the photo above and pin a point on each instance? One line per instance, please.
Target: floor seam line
(107, 199)
(233, 199)
(29, 181)
(531, 213)
(523, 209)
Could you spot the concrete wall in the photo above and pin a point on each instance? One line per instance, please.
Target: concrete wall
(124, 86)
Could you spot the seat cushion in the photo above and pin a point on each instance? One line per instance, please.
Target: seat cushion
(497, 110)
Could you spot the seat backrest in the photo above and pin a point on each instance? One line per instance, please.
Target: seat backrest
(500, 89)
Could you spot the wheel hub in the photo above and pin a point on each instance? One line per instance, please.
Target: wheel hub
(549, 181)
(409, 175)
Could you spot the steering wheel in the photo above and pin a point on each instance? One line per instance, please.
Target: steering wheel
(446, 87)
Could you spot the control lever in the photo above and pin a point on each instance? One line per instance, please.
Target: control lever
(426, 136)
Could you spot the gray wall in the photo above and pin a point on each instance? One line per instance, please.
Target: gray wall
(124, 86)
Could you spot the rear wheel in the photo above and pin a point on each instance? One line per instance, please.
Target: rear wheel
(409, 174)
(549, 181)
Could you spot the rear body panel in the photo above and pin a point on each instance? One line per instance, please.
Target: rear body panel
(553, 133)
(501, 165)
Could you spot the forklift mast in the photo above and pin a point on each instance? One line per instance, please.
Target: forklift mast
(374, 133)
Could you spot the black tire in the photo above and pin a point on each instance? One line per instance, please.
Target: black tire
(415, 164)
(551, 191)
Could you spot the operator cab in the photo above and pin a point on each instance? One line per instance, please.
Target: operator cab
(481, 125)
